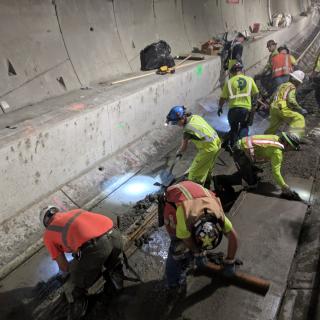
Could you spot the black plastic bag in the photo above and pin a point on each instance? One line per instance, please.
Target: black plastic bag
(156, 55)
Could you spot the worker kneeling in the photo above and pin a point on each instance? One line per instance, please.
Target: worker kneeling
(204, 137)
(195, 221)
(252, 150)
(94, 242)
(283, 105)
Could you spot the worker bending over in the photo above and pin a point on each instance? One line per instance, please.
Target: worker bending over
(283, 105)
(94, 242)
(195, 221)
(238, 91)
(252, 150)
(204, 137)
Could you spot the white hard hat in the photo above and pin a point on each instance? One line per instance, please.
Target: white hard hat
(46, 213)
(298, 75)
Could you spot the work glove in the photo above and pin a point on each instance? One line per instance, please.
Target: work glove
(220, 111)
(229, 268)
(303, 111)
(200, 260)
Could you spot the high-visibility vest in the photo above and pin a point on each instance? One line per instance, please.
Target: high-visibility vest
(281, 95)
(249, 143)
(281, 65)
(72, 229)
(200, 128)
(246, 92)
(194, 199)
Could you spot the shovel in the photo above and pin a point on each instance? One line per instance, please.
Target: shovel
(166, 176)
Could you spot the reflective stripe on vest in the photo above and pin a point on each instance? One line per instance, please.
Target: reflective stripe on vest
(206, 138)
(251, 142)
(240, 95)
(188, 194)
(281, 65)
(64, 229)
(283, 96)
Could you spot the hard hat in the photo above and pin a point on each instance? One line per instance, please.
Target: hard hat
(175, 114)
(271, 43)
(242, 35)
(292, 139)
(207, 232)
(236, 67)
(297, 75)
(47, 213)
(284, 47)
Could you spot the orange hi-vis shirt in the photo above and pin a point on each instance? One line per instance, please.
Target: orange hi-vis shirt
(68, 231)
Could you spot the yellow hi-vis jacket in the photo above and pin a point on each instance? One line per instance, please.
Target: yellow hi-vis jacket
(317, 64)
(263, 148)
(202, 134)
(238, 90)
(285, 97)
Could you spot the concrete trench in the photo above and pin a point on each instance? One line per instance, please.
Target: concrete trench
(92, 180)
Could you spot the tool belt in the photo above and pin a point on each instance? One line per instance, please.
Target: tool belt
(77, 255)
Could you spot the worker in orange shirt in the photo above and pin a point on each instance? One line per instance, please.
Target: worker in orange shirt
(94, 242)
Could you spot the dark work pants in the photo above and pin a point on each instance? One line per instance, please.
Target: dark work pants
(238, 121)
(105, 251)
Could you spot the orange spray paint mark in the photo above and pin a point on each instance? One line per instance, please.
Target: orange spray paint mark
(77, 106)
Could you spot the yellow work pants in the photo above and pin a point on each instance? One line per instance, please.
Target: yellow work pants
(294, 119)
(203, 164)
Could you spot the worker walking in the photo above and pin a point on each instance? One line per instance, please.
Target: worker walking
(204, 137)
(252, 150)
(238, 91)
(195, 221)
(234, 51)
(94, 242)
(283, 105)
(282, 64)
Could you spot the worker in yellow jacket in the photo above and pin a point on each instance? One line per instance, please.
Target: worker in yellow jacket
(237, 91)
(284, 105)
(204, 137)
(252, 150)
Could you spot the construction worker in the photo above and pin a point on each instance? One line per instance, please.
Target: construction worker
(265, 77)
(195, 221)
(313, 84)
(94, 242)
(238, 91)
(204, 137)
(284, 101)
(252, 150)
(282, 64)
(234, 49)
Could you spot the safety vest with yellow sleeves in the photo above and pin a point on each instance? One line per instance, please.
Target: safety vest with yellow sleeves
(262, 148)
(187, 201)
(285, 97)
(238, 90)
(201, 133)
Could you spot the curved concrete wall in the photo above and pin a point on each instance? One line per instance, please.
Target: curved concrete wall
(51, 47)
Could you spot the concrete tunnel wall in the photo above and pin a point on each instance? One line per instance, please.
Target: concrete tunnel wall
(51, 47)
(45, 153)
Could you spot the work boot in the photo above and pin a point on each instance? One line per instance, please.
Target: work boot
(78, 308)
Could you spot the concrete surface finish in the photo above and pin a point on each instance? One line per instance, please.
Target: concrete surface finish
(35, 154)
(267, 247)
(55, 47)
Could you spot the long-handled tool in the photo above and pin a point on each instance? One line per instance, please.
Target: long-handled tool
(179, 65)
(242, 279)
(166, 176)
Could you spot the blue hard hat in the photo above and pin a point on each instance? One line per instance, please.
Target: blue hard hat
(175, 114)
